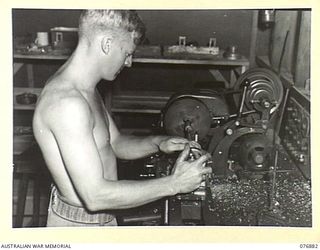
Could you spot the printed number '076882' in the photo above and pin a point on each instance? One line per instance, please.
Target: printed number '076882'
(309, 246)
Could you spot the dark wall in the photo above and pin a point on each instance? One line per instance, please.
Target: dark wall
(163, 26)
(230, 27)
(30, 21)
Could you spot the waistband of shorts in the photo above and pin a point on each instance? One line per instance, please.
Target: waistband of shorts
(77, 213)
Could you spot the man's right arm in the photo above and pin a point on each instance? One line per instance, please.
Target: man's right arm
(72, 124)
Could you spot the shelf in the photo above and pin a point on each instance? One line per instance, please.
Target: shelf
(185, 60)
(136, 111)
(21, 143)
(138, 103)
(147, 54)
(18, 91)
(127, 102)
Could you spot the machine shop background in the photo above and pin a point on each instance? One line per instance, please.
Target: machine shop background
(278, 40)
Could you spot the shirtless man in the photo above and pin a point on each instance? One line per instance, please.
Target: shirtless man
(79, 140)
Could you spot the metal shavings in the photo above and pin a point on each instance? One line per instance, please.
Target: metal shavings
(241, 203)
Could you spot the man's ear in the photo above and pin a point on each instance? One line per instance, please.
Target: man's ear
(106, 43)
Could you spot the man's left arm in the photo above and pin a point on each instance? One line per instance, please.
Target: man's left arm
(133, 147)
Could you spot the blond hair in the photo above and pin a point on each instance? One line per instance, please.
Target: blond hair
(93, 22)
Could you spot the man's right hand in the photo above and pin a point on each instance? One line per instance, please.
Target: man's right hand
(189, 175)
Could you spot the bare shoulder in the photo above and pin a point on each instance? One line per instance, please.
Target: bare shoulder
(62, 105)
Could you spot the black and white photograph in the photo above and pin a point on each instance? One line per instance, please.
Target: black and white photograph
(161, 117)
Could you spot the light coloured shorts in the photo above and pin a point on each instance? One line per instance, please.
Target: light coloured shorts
(62, 214)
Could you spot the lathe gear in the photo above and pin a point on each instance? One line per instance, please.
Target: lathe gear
(255, 150)
(264, 90)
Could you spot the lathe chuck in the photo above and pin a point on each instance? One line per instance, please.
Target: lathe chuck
(187, 115)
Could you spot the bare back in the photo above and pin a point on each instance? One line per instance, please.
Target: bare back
(55, 92)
